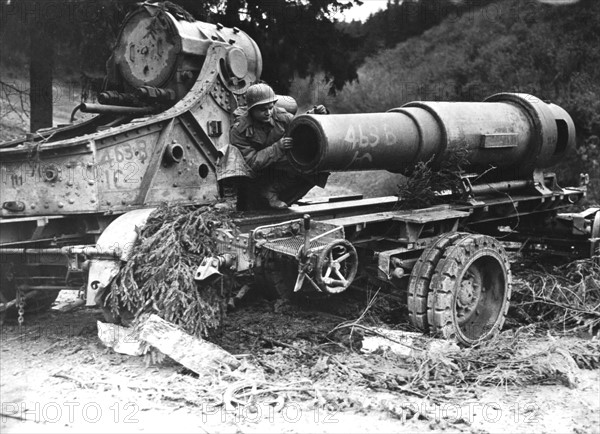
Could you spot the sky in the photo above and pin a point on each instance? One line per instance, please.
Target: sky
(362, 12)
(369, 7)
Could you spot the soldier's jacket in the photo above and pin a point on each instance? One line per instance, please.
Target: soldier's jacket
(256, 141)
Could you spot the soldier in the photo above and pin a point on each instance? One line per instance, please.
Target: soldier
(259, 134)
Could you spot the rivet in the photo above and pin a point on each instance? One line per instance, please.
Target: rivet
(69, 183)
(71, 201)
(60, 204)
(90, 182)
(93, 200)
(46, 205)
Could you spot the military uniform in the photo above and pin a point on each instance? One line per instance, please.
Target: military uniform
(268, 174)
(258, 142)
(255, 160)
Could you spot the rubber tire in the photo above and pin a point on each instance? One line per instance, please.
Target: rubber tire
(420, 279)
(496, 279)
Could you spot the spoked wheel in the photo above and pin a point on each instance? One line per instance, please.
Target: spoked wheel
(420, 279)
(470, 290)
(336, 266)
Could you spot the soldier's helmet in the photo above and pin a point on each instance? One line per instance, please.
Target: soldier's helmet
(258, 94)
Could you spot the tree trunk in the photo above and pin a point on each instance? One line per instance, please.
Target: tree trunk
(41, 54)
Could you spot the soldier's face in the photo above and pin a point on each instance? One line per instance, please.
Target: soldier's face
(262, 113)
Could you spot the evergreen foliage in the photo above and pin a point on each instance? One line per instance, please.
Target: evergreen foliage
(159, 277)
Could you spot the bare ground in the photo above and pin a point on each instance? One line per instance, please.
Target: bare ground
(57, 376)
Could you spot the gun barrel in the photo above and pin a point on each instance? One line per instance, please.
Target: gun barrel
(513, 133)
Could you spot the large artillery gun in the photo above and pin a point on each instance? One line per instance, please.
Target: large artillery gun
(74, 197)
(171, 88)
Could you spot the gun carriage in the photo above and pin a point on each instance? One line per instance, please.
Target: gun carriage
(74, 196)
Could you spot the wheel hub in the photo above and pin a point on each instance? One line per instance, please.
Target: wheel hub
(467, 298)
(466, 293)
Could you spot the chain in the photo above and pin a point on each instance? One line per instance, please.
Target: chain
(21, 305)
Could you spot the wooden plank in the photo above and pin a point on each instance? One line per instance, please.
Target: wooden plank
(192, 352)
(431, 216)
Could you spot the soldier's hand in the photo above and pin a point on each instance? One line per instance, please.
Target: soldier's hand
(318, 110)
(287, 143)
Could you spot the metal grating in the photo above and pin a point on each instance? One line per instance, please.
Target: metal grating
(291, 246)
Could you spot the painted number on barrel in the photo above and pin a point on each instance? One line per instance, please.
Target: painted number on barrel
(369, 136)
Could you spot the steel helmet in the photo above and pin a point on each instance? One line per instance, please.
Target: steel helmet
(258, 94)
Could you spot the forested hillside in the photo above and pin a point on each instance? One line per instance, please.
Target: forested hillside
(550, 51)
